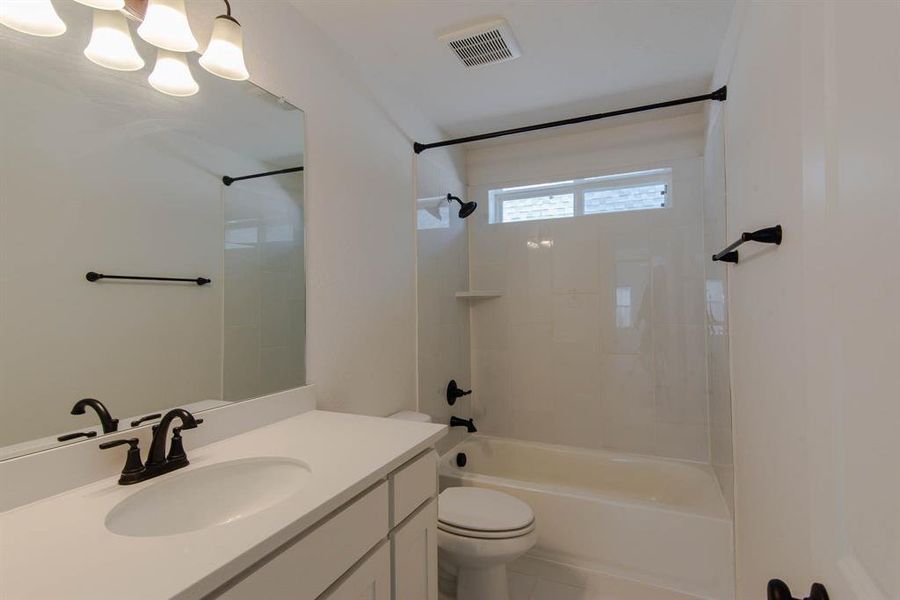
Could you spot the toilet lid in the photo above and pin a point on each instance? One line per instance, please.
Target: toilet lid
(479, 509)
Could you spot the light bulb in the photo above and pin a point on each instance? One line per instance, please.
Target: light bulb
(224, 54)
(103, 4)
(171, 75)
(111, 45)
(166, 26)
(34, 17)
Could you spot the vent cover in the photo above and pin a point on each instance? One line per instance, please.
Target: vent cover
(483, 44)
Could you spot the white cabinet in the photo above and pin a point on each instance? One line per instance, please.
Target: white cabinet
(414, 555)
(371, 580)
(306, 567)
(382, 545)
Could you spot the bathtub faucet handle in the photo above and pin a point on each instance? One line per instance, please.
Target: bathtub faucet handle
(454, 392)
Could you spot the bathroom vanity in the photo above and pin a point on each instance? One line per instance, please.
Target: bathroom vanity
(154, 251)
(317, 505)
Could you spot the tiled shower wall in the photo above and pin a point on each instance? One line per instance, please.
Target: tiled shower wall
(265, 287)
(442, 270)
(599, 339)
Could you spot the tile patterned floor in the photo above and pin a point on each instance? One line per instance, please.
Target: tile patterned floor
(534, 579)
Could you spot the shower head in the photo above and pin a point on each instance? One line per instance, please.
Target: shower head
(465, 208)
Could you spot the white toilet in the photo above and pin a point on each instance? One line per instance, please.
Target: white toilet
(479, 532)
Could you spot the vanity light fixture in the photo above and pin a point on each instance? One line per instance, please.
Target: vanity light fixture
(166, 26)
(34, 17)
(172, 75)
(224, 55)
(111, 45)
(103, 4)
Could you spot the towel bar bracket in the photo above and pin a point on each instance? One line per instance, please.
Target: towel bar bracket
(767, 235)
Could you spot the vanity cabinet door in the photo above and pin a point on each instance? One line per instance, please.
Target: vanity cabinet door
(371, 580)
(307, 567)
(414, 553)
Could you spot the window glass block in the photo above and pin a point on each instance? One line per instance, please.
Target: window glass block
(639, 197)
(539, 207)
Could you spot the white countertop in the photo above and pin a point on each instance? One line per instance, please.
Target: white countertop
(59, 547)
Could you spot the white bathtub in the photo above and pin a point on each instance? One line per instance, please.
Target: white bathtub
(657, 521)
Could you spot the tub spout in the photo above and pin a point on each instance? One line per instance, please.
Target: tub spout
(469, 424)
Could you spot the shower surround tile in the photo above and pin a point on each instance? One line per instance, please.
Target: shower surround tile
(601, 331)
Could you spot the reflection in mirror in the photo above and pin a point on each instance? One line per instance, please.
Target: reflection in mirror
(99, 172)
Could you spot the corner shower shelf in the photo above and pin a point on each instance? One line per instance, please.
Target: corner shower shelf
(479, 294)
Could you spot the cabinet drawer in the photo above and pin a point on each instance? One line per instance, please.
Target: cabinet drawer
(413, 484)
(370, 580)
(306, 567)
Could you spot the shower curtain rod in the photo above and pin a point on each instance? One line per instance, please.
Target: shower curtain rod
(229, 180)
(720, 95)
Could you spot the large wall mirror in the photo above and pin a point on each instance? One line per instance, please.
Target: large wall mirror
(101, 173)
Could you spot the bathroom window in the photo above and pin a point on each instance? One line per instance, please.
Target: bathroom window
(642, 190)
(548, 206)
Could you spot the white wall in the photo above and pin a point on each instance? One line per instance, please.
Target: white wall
(811, 134)
(361, 334)
(549, 361)
(764, 172)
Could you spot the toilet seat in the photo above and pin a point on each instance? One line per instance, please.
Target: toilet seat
(485, 535)
(483, 514)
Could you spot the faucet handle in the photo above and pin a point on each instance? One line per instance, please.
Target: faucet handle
(133, 442)
(454, 392)
(133, 464)
(137, 422)
(76, 435)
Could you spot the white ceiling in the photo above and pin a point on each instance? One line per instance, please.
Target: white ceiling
(578, 57)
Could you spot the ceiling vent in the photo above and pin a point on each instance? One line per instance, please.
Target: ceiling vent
(483, 44)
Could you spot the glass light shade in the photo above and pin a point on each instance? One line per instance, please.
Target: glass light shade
(166, 26)
(34, 17)
(172, 75)
(224, 55)
(111, 45)
(103, 4)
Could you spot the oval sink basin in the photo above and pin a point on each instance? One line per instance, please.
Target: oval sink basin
(208, 496)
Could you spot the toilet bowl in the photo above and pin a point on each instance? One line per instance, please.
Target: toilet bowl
(479, 532)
